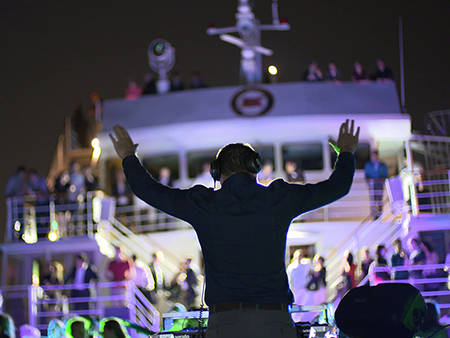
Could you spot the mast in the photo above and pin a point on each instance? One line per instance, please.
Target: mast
(402, 65)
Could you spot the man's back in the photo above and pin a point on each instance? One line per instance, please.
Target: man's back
(242, 227)
(242, 230)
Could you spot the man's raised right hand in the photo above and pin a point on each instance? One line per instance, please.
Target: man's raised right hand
(347, 142)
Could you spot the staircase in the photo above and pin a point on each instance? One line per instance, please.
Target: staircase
(114, 233)
(369, 234)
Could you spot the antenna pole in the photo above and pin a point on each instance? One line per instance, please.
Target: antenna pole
(275, 18)
(402, 65)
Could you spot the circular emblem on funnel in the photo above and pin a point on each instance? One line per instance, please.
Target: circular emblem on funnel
(252, 102)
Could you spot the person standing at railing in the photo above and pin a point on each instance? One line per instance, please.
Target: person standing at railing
(158, 276)
(359, 75)
(375, 173)
(81, 274)
(17, 183)
(118, 271)
(382, 72)
(142, 277)
(61, 190)
(317, 283)
(366, 260)
(416, 257)
(90, 180)
(348, 275)
(380, 262)
(432, 258)
(191, 283)
(399, 258)
(242, 228)
(75, 196)
(54, 276)
(38, 189)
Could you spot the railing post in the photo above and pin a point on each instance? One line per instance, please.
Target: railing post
(89, 222)
(32, 306)
(9, 220)
(412, 187)
(4, 268)
(132, 301)
(447, 200)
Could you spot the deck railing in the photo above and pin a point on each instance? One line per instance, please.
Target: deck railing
(431, 279)
(355, 206)
(32, 218)
(47, 302)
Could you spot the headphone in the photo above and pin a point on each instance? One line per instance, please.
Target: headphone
(253, 163)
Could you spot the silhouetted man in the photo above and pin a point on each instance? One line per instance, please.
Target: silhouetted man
(242, 230)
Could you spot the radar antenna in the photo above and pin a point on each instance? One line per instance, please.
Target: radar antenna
(249, 40)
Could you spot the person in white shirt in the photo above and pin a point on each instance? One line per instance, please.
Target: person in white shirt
(204, 178)
(297, 273)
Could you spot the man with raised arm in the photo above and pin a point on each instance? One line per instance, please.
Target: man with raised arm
(242, 230)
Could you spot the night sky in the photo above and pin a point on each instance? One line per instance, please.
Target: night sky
(55, 52)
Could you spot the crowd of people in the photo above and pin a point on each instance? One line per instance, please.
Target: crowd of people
(306, 276)
(149, 86)
(149, 277)
(313, 73)
(382, 73)
(382, 267)
(70, 187)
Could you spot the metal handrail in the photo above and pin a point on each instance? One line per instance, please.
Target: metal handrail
(147, 246)
(136, 302)
(414, 281)
(48, 215)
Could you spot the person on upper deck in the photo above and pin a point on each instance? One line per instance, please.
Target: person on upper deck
(383, 73)
(359, 75)
(17, 183)
(332, 73)
(242, 230)
(313, 73)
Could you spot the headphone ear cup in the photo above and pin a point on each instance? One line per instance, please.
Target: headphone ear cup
(255, 163)
(215, 170)
(258, 163)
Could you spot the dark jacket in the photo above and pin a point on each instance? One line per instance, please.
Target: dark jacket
(89, 275)
(242, 227)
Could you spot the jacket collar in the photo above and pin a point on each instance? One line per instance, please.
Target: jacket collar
(238, 179)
